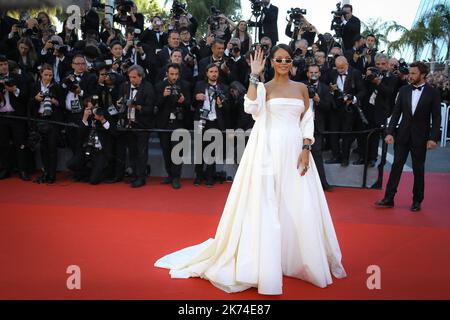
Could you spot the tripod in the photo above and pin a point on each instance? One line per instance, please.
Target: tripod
(255, 24)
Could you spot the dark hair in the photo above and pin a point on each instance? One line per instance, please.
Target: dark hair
(113, 43)
(182, 29)
(371, 35)
(281, 46)
(3, 58)
(209, 66)
(423, 68)
(46, 66)
(357, 38)
(174, 66)
(313, 65)
(176, 50)
(154, 17)
(78, 56)
(172, 31)
(348, 6)
(215, 41)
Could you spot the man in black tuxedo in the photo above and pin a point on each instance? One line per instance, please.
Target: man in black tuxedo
(351, 26)
(163, 56)
(139, 53)
(320, 100)
(83, 87)
(217, 58)
(139, 97)
(173, 101)
(154, 36)
(268, 26)
(416, 103)
(355, 55)
(349, 92)
(376, 107)
(57, 56)
(13, 102)
(212, 112)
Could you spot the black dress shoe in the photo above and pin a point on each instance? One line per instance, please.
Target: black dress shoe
(415, 206)
(176, 183)
(4, 174)
(359, 162)
(209, 183)
(333, 161)
(41, 179)
(24, 176)
(167, 180)
(345, 163)
(197, 182)
(138, 183)
(385, 203)
(113, 180)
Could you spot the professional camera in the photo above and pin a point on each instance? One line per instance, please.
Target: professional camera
(47, 104)
(216, 92)
(402, 67)
(125, 6)
(71, 83)
(336, 23)
(175, 91)
(374, 73)
(312, 91)
(92, 144)
(264, 47)
(126, 64)
(257, 7)
(8, 81)
(296, 14)
(214, 19)
(178, 9)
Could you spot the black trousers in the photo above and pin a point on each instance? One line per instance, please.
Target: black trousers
(16, 131)
(173, 170)
(93, 167)
(138, 146)
(118, 157)
(49, 148)
(210, 171)
(318, 159)
(341, 121)
(368, 143)
(72, 133)
(418, 155)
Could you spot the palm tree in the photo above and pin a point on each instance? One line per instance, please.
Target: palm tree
(416, 38)
(377, 28)
(439, 23)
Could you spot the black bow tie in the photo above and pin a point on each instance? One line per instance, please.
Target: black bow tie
(418, 88)
(134, 88)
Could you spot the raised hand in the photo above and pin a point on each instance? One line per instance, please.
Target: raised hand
(258, 63)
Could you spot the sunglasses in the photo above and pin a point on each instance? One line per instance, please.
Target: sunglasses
(284, 61)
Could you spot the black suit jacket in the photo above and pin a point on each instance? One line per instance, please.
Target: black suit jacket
(149, 37)
(145, 97)
(56, 92)
(354, 83)
(223, 77)
(168, 104)
(383, 102)
(222, 113)
(20, 102)
(323, 107)
(269, 25)
(351, 29)
(416, 127)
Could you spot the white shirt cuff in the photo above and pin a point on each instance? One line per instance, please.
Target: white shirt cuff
(106, 125)
(85, 123)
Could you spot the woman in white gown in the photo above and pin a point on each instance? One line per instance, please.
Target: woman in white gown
(276, 220)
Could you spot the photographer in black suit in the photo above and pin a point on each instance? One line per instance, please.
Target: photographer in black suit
(320, 100)
(46, 104)
(416, 104)
(13, 101)
(211, 103)
(154, 36)
(351, 26)
(268, 25)
(173, 101)
(349, 92)
(376, 106)
(138, 96)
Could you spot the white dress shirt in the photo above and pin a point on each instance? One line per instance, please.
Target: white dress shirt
(416, 94)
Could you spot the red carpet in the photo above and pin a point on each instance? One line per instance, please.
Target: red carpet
(115, 234)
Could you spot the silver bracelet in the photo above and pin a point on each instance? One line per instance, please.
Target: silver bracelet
(254, 79)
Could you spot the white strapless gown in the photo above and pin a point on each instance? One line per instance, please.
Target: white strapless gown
(275, 222)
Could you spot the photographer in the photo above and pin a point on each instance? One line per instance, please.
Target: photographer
(241, 32)
(303, 29)
(91, 162)
(6, 24)
(128, 16)
(268, 25)
(68, 35)
(351, 26)
(371, 50)
(154, 36)
(192, 57)
(138, 53)
(211, 103)
(137, 98)
(327, 42)
(76, 86)
(349, 91)
(217, 58)
(320, 101)
(90, 21)
(239, 119)
(303, 57)
(234, 60)
(174, 100)
(163, 56)
(176, 57)
(13, 101)
(45, 105)
(357, 54)
(58, 59)
(377, 106)
(108, 34)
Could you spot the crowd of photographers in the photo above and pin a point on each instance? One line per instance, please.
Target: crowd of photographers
(121, 79)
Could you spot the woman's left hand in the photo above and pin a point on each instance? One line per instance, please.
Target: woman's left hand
(303, 161)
